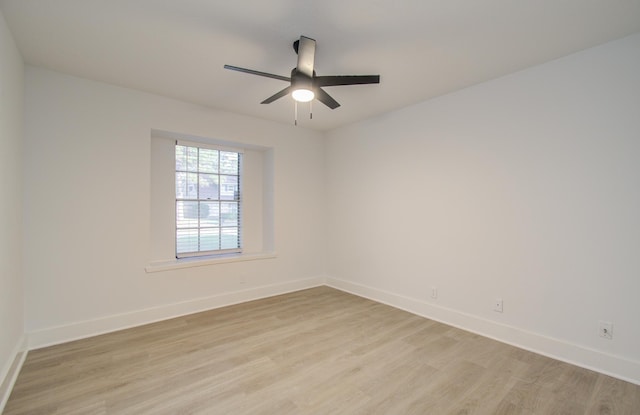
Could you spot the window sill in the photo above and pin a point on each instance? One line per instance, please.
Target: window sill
(203, 261)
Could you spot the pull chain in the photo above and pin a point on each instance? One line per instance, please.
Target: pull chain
(295, 106)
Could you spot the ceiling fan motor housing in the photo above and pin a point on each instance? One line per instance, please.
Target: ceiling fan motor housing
(300, 80)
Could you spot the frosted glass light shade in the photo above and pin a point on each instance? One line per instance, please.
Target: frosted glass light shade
(303, 95)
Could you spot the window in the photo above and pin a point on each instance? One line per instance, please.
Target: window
(208, 195)
(255, 216)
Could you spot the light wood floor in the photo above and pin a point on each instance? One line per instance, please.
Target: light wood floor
(317, 351)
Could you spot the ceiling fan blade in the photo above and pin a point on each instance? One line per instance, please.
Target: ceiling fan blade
(306, 55)
(277, 95)
(252, 72)
(326, 99)
(346, 80)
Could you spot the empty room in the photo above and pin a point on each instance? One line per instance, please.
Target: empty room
(319, 207)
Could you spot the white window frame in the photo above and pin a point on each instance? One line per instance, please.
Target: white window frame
(237, 199)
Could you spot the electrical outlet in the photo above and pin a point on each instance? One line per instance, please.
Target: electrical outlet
(605, 329)
(434, 292)
(497, 305)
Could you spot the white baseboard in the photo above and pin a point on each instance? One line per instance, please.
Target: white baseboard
(616, 366)
(10, 373)
(84, 329)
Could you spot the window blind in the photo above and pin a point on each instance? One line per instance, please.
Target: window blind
(208, 199)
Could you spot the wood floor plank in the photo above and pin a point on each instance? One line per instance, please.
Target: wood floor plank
(317, 351)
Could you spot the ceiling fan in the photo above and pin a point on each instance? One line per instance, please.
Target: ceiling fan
(305, 85)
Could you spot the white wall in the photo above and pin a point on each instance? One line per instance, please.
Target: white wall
(11, 285)
(87, 209)
(525, 188)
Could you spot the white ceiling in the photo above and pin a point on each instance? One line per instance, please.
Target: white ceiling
(421, 48)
